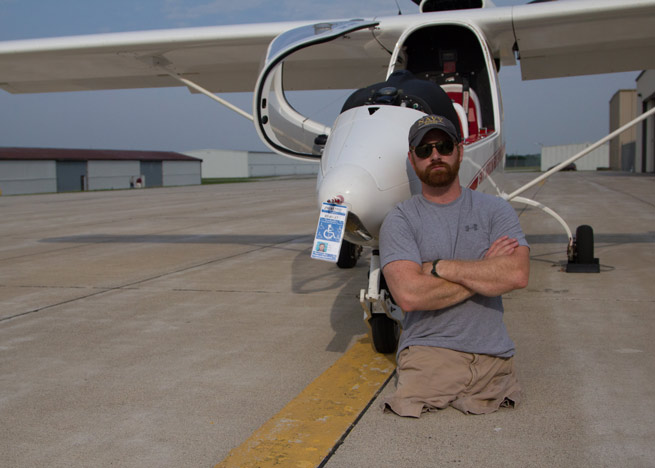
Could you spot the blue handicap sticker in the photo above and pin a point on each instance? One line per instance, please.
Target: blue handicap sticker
(329, 232)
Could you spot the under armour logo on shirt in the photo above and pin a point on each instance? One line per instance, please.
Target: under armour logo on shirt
(472, 227)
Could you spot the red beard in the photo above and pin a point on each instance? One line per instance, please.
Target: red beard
(439, 174)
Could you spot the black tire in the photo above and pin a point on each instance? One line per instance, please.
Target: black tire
(584, 244)
(383, 285)
(384, 332)
(348, 255)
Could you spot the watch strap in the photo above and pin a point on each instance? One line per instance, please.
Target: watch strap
(434, 268)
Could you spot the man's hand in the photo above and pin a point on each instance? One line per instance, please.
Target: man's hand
(505, 267)
(414, 288)
(502, 246)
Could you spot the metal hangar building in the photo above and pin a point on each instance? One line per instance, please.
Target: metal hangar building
(46, 170)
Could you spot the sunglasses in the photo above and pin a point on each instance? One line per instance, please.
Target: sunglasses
(445, 148)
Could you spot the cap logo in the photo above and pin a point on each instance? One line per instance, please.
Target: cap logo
(430, 119)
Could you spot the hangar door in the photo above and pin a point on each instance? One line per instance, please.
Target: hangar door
(71, 176)
(152, 170)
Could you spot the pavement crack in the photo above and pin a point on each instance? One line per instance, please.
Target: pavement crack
(131, 284)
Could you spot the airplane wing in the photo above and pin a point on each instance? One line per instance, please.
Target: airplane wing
(225, 58)
(562, 38)
(559, 39)
(219, 59)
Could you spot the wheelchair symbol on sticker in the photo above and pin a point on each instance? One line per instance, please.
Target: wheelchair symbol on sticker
(329, 232)
(329, 229)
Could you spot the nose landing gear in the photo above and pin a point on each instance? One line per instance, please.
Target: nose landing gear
(380, 311)
(349, 254)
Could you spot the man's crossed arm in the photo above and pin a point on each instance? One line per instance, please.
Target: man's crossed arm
(505, 267)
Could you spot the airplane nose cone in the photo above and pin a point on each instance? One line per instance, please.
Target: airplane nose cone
(350, 182)
(365, 162)
(359, 191)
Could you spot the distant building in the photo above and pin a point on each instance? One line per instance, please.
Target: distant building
(42, 170)
(623, 109)
(232, 164)
(597, 159)
(645, 138)
(631, 151)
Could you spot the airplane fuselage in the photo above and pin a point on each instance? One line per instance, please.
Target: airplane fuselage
(442, 67)
(365, 165)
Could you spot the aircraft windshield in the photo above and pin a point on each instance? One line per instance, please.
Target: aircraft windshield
(312, 32)
(280, 125)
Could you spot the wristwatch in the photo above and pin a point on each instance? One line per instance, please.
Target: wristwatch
(434, 268)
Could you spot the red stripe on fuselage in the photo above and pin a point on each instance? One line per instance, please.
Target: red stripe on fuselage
(490, 166)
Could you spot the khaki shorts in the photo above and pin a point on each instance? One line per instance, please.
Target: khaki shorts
(433, 378)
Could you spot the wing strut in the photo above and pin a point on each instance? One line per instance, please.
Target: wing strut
(575, 245)
(207, 93)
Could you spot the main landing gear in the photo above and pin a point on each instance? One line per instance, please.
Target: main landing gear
(581, 252)
(581, 247)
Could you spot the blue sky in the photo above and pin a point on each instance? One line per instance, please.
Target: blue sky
(541, 112)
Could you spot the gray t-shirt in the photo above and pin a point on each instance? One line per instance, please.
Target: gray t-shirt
(421, 231)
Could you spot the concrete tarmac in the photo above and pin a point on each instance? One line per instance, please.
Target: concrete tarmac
(162, 327)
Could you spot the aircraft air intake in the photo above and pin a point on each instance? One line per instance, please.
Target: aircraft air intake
(445, 5)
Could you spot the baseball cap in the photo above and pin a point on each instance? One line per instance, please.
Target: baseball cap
(430, 122)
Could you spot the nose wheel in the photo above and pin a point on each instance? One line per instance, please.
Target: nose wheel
(384, 332)
(383, 316)
(349, 254)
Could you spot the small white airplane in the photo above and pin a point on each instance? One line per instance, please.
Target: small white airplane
(443, 60)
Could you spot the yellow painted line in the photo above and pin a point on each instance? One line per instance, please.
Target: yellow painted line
(306, 430)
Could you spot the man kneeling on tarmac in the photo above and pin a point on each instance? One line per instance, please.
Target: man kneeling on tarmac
(448, 254)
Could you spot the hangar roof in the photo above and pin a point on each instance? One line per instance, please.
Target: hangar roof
(62, 154)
